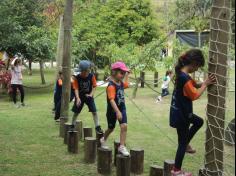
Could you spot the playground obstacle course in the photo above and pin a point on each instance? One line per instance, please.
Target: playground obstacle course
(156, 170)
(67, 127)
(73, 144)
(123, 165)
(137, 161)
(90, 147)
(104, 161)
(79, 128)
(88, 132)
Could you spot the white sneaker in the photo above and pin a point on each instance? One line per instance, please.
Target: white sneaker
(17, 106)
(123, 150)
(103, 144)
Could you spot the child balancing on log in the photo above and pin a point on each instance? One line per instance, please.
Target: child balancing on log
(182, 117)
(116, 109)
(85, 85)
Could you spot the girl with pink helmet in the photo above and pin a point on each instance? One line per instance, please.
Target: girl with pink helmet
(116, 108)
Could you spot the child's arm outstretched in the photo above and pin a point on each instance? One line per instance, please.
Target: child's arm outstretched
(193, 93)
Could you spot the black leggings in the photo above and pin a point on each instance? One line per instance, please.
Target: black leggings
(14, 92)
(185, 135)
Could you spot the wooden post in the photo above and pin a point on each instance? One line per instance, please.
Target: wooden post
(104, 162)
(122, 165)
(156, 170)
(156, 76)
(116, 147)
(137, 161)
(67, 127)
(142, 77)
(66, 63)
(90, 147)
(73, 142)
(98, 137)
(62, 123)
(218, 64)
(88, 132)
(79, 128)
(168, 166)
(59, 55)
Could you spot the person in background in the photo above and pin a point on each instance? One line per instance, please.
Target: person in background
(58, 95)
(165, 85)
(182, 118)
(116, 108)
(17, 81)
(84, 87)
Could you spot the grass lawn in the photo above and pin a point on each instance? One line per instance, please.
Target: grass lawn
(30, 146)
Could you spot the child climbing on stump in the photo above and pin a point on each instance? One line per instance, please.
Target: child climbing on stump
(182, 117)
(116, 109)
(85, 85)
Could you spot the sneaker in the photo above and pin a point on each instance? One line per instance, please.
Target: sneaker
(180, 173)
(103, 144)
(99, 130)
(123, 150)
(159, 99)
(190, 150)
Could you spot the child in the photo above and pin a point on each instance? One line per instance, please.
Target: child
(186, 91)
(16, 81)
(116, 109)
(85, 85)
(58, 94)
(165, 86)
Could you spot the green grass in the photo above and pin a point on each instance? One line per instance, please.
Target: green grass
(30, 146)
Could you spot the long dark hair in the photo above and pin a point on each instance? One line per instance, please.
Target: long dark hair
(192, 56)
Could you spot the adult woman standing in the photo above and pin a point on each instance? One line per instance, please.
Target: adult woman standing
(17, 81)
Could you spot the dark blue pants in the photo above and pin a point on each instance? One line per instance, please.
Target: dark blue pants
(165, 92)
(185, 135)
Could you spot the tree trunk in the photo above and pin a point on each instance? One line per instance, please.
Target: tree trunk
(30, 67)
(59, 55)
(41, 65)
(66, 63)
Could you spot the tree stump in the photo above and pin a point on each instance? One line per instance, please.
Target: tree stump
(79, 128)
(88, 132)
(98, 137)
(137, 161)
(104, 161)
(62, 122)
(67, 127)
(116, 147)
(168, 166)
(156, 170)
(73, 142)
(123, 165)
(90, 147)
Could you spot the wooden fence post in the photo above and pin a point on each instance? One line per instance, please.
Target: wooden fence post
(137, 161)
(142, 77)
(122, 165)
(73, 142)
(156, 76)
(104, 162)
(168, 166)
(67, 127)
(63, 120)
(79, 128)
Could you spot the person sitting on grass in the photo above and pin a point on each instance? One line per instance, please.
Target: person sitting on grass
(58, 94)
(116, 109)
(185, 92)
(84, 86)
(16, 81)
(165, 86)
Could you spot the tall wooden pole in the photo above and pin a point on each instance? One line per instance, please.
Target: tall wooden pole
(66, 63)
(218, 61)
(59, 56)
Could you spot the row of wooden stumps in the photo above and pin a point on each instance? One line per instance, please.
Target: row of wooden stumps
(93, 152)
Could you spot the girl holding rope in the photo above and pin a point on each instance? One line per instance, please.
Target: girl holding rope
(182, 117)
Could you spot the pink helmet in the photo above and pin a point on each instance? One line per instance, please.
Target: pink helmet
(120, 65)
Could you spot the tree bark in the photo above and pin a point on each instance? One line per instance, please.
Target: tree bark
(66, 63)
(41, 65)
(59, 55)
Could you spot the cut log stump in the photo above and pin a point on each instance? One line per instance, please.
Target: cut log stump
(104, 161)
(137, 161)
(98, 137)
(168, 166)
(123, 165)
(116, 147)
(156, 170)
(67, 127)
(90, 147)
(79, 128)
(88, 132)
(73, 142)
(61, 130)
